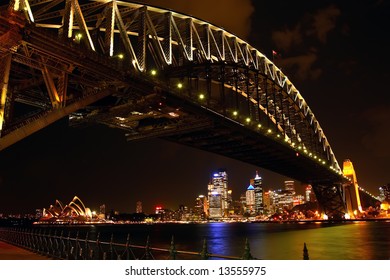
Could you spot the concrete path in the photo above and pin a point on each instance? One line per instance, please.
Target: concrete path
(11, 252)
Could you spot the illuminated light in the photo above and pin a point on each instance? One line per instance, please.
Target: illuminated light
(269, 131)
(153, 72)
(325, 217)
(173, 114)
(235, 113)
(278, 135)
(259, 125)
(297, 154)
(79, 36)
(323, 162)
(310, 154)
(201, 96)
(347, 216)
(179, 85)
(299, 147)
(121, 56)
(248, 120)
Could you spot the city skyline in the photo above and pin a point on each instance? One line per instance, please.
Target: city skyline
(328, 50)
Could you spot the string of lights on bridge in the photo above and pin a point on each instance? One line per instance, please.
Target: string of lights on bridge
(300, 150)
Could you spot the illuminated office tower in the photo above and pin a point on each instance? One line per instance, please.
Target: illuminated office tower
(257, 184)
(289, 186)
(218, 194)
(200, 205)
(138, 208)
(102, 209)
(250, 199)
(308, 191)
(384, 193)
(215, 206)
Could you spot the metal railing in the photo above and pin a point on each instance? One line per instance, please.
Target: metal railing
(76, 248)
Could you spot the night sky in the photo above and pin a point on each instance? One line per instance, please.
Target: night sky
(335, 53)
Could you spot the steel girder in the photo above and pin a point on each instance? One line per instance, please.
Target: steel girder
(331, 199)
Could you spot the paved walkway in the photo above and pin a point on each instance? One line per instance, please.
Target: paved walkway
(11, 252)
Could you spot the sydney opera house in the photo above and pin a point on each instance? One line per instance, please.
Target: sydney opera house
(74, 212)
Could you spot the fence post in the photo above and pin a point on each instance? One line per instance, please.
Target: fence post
(305, 252)
(148, 255)
(111, 248)
(98, 246)
(86, 247)
(204, 253)
(172, 249)
(247, 251)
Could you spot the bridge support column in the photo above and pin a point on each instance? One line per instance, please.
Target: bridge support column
(331, 199)
(5, 67)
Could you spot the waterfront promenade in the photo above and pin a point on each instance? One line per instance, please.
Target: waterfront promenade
(10, 252)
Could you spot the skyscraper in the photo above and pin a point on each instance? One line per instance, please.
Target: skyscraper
(250, 199)
(384, 193)
(218, 195)
(138, 207)
(258, 185)
(289, 186)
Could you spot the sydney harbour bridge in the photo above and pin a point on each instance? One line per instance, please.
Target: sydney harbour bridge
(153, 72)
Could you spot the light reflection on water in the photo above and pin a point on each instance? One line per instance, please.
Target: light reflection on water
(337, 241)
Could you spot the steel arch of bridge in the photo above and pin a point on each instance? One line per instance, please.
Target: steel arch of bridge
(82, 51)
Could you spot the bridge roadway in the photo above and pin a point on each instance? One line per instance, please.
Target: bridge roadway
(158, 73)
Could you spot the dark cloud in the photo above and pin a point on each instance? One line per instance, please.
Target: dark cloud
(301, 42)
(301, 65)
(377, 135)
(232, 15)
(324, 21)
(287, 39)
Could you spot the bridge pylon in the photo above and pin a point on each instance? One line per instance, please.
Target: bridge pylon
(351, 190)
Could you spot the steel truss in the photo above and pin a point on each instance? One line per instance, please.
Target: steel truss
(58, 56)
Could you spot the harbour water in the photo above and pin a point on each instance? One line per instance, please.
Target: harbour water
(271, 241)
